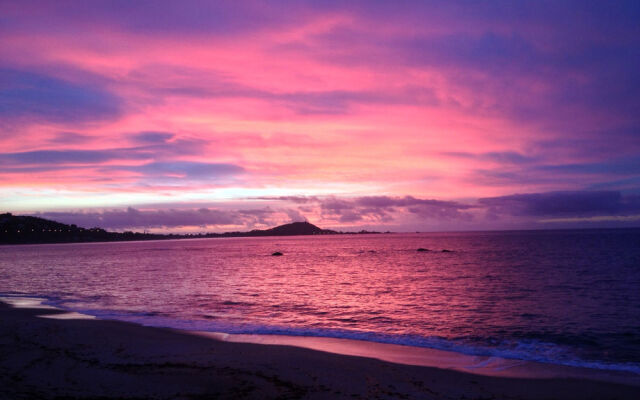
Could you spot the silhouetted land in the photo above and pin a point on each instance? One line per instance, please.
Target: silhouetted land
(16, 229)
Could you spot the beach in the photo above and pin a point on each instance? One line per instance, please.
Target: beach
(49, 354)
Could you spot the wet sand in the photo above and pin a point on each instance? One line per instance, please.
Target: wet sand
(47, 358)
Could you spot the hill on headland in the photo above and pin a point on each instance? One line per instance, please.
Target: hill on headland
(295, 228)
(16, 229)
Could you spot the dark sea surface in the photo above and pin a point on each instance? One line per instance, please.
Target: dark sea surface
(564, 297)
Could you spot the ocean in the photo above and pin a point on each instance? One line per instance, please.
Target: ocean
(561, 297)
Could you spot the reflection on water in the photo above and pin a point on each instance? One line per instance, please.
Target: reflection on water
(559, 296)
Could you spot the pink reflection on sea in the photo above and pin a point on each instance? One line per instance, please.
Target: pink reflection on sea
(561, 297)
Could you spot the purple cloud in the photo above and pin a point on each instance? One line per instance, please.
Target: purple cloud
(71, 138)
(161, 160)
(551, 171)
(185, 169)
(31, 95)
(562, 204)
(192, 17)
(149, 146)
(47, 157)
(132, 218)
(152, 137)
(377, 208)
(527, 209)
(531, 206)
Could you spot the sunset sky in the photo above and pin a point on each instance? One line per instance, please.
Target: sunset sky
(189, 116)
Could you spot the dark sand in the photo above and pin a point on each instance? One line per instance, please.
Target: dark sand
(46, 358)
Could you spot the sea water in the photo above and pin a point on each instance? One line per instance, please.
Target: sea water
(562, 297)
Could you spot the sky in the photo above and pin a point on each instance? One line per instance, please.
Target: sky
(203, 116)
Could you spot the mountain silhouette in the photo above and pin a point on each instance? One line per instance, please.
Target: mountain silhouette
(296, 228)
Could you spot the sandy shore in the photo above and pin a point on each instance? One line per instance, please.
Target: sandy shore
(47, 358)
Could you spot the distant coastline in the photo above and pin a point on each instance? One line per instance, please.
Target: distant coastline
(16, 229)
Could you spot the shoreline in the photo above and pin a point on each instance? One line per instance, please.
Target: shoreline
(59, 356)
(396, 352)
(435, 358)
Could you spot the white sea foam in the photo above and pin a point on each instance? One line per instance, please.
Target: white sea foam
(530, 350)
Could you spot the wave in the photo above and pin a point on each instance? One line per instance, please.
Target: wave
(524, 349)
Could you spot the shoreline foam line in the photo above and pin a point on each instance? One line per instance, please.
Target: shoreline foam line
(426, 357)
(38, 304)
(395, 353)
(147, 319)
(100, 359)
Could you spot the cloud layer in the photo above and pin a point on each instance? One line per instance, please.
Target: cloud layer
(358, 113)
(532, 210)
